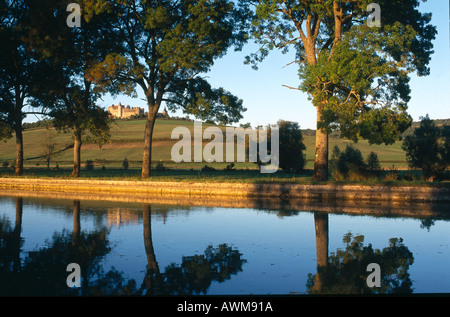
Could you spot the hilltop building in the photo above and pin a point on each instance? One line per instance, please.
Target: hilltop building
(121, 111)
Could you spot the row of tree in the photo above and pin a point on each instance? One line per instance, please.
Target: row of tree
(356, 75)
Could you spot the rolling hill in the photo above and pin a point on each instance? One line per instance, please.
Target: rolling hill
(127, 142)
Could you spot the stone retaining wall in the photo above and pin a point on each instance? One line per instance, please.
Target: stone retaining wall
(231, 190)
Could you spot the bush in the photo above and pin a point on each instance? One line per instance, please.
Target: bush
(428, 148)
(89, 165)
(350, 164)
(291, 146)
(392, 174)
(229, 167)
(207, 168)
(125, 164)
(160, 166)
(373, 167)
(5, 164)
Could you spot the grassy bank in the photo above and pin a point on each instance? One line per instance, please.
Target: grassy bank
(251, 176)
(127, 142)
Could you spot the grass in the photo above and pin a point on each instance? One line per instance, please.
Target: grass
(252, 176)
(127, 142)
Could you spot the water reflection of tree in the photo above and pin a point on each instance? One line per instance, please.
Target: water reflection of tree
(10, 246)
(43, 272)
(344, 272)
(194, 275)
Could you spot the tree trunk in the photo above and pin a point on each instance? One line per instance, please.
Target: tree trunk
(321, 226)
(76, 153)
(19, 149)
(148, 135)
(321, 155)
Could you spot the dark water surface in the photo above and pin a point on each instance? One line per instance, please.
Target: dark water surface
(154, 249)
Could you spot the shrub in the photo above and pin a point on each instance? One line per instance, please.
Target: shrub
(350, 164)
(207, 168)
(125, 164)
(229, 167)
(89, 165)
(291, 146)
(428, 148)
(160, 166)
(5, 164)
(373, 167)
(392, 174)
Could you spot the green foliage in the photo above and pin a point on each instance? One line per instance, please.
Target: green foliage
(125, 164)
(5, 164)
(356, 76)
(207, 168)
(69, 52)
(20, 72)
(230, 167)
(350, 164)
(373, 163)
(291, 146)
(89, 165)
(162, 48)
(343, 272)
(5, 131)
(428, 148)
(160, 166)
(362, 89)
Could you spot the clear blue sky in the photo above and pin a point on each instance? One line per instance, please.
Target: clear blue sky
(267, 100)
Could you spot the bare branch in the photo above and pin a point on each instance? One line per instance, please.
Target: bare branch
(291, 87)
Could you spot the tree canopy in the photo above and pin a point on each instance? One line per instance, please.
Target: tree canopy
(20, 72)
(163, 47)
(70, 51)
(357, 76)
(428, 148)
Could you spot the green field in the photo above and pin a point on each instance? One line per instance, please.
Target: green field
(127, 142)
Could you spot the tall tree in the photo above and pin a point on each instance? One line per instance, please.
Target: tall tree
(356, 75)
(164, 47)
(428, 148)
(19, 73)
(71, 51)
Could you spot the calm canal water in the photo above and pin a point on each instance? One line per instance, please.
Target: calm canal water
(154, 249)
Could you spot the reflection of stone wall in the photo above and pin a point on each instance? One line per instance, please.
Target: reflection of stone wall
(161, 206)
(121, 216)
